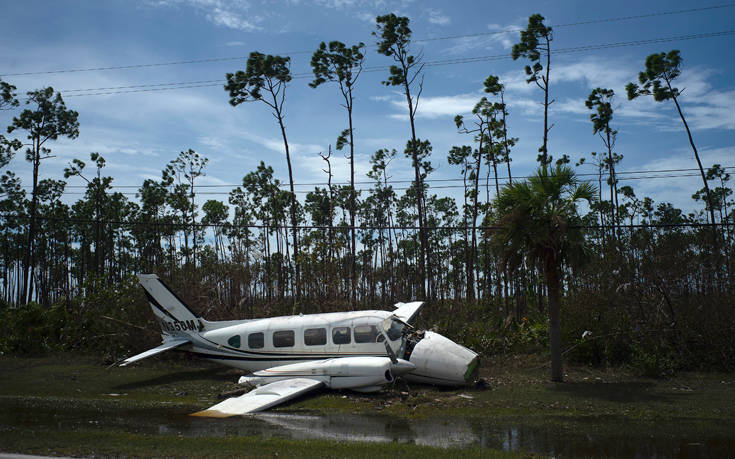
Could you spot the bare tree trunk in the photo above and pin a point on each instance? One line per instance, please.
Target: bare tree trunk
(546, 103)
(29, 261)
(297, 287)
(554, 283)
(424, 259)
(699, 163)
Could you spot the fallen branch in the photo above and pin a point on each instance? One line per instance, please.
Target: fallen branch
(128, 324)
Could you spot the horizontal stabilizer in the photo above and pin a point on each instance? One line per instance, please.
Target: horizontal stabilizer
(167, 345)
(261, 398)
(407, 311)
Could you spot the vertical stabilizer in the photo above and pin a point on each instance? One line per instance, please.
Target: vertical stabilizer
(174, 317)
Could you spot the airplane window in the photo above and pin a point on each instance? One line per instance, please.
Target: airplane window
(234, 341)
(366, 333)
(341, 335)
(315, 336)
(395, 330)
(283, 338)
(256, 340)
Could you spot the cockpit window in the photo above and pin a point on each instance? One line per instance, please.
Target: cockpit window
(341, 335)
(366, 333)
(393, 328)
(234, 341)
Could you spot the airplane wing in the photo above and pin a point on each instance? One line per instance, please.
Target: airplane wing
(167, 345)
(261, 398)
(407, 311)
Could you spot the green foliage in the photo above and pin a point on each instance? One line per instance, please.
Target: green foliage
(600, 100)
(493, 85)
(535, 40)
(342, 139)
(529, 46)
(81, 324)
(341, 64)
(8, 96)
(215, 212)
(537, 216)
(263, 71)
(394, 37)
(654, 363)
(661, 70)
(34, 329)
(48, 119)
(8, 100)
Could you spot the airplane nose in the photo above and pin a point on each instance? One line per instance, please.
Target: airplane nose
(441, 361)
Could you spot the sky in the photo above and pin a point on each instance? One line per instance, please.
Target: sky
(139, 130)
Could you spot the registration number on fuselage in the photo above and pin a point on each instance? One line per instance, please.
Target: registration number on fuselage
(173, 326)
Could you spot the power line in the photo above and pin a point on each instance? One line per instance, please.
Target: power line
(430, 39)
(455, 61)
(503, 179)
(642, 16)
(141, 86)
(349, 227)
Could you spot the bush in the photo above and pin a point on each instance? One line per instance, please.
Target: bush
(104, 322)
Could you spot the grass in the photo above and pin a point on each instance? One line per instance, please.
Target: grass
(53, 406)
(87, 443)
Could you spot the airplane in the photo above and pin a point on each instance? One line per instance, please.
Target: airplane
(292, 355)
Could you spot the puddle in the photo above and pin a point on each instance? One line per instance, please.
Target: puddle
(567, 437)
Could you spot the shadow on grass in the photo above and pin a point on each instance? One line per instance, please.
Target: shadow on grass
(206, 374)
(624, 392)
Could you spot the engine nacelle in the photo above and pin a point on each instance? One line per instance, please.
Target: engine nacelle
(441, 361)
(339, 373)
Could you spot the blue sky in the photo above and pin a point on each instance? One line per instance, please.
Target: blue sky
(138, 133)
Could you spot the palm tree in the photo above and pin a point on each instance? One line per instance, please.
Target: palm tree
(538, 217)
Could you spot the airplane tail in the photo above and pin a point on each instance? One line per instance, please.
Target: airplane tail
(173, 316)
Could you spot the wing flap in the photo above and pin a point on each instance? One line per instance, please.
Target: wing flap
(261, 398)
(407, 311)
(166, 346)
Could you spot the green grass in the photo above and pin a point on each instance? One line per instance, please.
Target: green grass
(115, 443)
(52, 405)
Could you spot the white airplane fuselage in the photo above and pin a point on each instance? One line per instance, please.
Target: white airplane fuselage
(257, 344)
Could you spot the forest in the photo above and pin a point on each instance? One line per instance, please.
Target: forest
(563, 260)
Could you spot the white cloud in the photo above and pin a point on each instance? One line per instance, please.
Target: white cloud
(380, 98)
(233, 14)
(516, 82)
(679, 191)
(335, 4)
(704, 107)
(276, 144)
(465, 44)
(499, 35)
(505, 35)
(711, 111)
(575, 106)
(437, 17)
(435, 107)
(529, 107)
(365, 17)
(312, 167)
